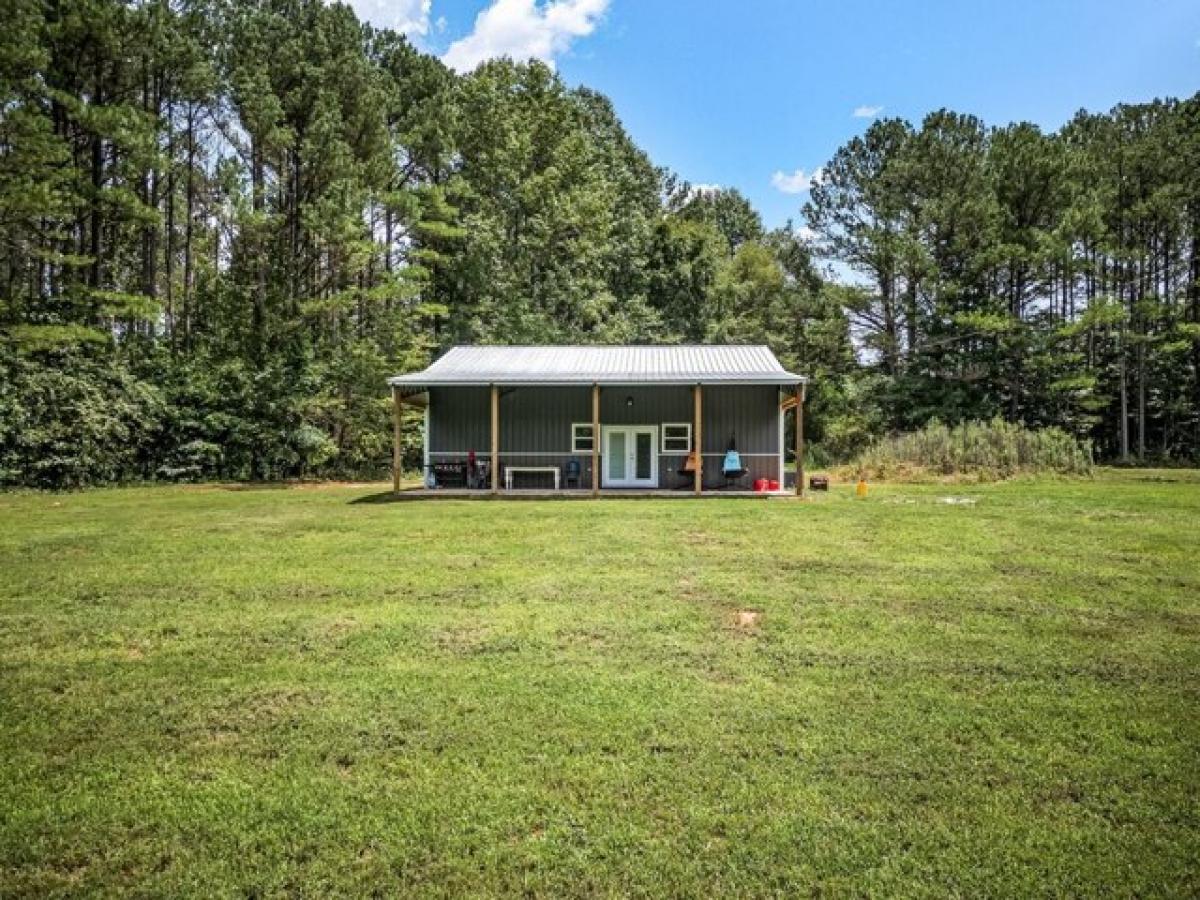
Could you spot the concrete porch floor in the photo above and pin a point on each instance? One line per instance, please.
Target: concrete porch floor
(585, 494)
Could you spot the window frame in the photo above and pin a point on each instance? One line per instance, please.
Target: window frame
(575, 437)
(687, 438)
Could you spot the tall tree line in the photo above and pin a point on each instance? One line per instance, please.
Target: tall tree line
(1052, 279)
(223, 223)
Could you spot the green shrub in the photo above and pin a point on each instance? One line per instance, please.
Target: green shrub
(984, 450)
(68, 420)
(817, 456)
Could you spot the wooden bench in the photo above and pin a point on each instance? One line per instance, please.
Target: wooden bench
(509, 471)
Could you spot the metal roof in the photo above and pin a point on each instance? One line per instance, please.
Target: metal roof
(680, 364)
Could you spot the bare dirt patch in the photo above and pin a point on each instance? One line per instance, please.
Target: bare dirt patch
(747, 619)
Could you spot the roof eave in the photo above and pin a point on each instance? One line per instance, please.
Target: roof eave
(778, 381)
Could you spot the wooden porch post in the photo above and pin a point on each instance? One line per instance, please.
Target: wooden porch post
(397, 408)
(495, 439)
(800, 439)
(595, 440)
(698, 428)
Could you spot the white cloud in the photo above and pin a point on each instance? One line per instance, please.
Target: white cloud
(525, 29)
(405, 16)
(867, 112)
(797, 182)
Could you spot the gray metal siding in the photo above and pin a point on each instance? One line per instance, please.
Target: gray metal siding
(651, 405)
(538, 420)
(459, 420)
(750, 415)
(535, 424)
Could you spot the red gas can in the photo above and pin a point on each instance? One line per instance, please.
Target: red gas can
(760, 485)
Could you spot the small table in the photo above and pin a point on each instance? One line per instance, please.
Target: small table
(508, 474)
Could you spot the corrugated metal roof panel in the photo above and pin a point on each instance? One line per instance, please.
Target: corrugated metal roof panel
(683, 364)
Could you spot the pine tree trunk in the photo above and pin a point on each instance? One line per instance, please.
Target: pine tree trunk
(1139, 321)
(1141, 375)
(1194, 294)
(1124, 426)
(97, 222)
(910, 315)
(169, 242)
(188, 227)
(259, 292)
(150, 232)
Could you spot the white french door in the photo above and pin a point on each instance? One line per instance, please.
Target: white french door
(630, 456)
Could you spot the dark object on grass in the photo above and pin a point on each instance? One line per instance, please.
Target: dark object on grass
(819, 483)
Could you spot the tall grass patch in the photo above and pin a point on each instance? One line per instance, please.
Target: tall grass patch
(987, 451)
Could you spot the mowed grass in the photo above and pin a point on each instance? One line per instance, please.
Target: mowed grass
(270, 692)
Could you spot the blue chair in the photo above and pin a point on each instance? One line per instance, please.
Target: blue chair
(732, 467)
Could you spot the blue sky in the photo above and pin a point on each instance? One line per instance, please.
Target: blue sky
(745, 94)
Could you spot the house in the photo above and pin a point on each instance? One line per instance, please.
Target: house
(584, 419)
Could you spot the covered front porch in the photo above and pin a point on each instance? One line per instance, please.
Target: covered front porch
(599, 440)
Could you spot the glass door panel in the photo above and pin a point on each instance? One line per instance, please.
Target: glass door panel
(616, 455)
(644, 455)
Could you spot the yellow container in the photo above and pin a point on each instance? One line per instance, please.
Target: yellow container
(861, 490)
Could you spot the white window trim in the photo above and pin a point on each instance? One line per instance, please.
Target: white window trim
(663, 437)
(575, 448)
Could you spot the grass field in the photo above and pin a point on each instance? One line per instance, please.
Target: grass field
(284, 692)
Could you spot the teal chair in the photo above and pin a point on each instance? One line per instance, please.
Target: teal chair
(732, 467)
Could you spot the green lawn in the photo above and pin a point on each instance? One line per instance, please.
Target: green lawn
(283, 692)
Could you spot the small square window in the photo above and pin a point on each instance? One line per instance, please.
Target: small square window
(676, 437)
(582, 438)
